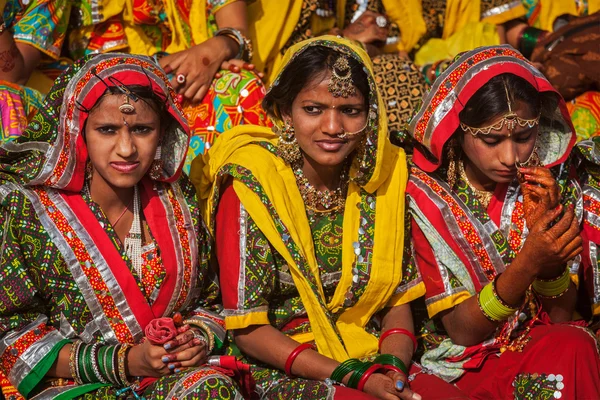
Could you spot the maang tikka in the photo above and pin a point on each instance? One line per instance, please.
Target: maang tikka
(511, 119)
(287, 146)
(126, 107)
(341, 84)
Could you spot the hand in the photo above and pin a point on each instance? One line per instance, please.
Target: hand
(384, 387)
(548, 249)
(146, 359)
(366, 30)
(235, 65)
(198, 65)
(401, 386)
(540, 193)
(185, 351)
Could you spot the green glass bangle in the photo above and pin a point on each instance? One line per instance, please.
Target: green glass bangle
(390, 359)
(553, 288)
(86, 359)
(344, 369)
(359, 371)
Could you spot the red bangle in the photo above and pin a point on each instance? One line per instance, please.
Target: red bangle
(292, 357)
(393, 368)
(399, 331)
(370, 371)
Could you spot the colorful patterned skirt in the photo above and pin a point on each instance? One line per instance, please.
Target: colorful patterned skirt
(585, 113)
(17, 105)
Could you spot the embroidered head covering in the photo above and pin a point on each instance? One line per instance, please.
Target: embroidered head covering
(52, 150)
(437, 120)
(369, 169)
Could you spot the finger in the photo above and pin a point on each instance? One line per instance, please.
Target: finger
(187, 354)
(545, 181)
(179, 340)
(563, 224)
(571, 249)
(572, 233)
(234, 68)
(541, 193)
(195, 361)
(545, 220)
(183, 328)
(191, 91)
(200, 94)
(574, 253)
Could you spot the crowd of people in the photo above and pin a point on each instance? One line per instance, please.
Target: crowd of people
(194, 198)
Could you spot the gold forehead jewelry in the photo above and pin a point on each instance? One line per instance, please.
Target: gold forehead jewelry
(126, 107)
(511, 119)
(341, 84)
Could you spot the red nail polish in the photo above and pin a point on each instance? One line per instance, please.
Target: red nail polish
(168, 70)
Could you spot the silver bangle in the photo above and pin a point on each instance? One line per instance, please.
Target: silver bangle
(245, 51)
(95, 363)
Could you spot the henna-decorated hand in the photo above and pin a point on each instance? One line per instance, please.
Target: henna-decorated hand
(384, 387)
(541, 193)
(547, 249)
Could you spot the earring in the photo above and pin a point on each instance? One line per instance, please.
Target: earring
(156, 168)
(453, 158)
(89, 170)
(287, 146)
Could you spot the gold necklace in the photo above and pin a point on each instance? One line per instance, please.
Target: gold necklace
(483, 196)
(330, 200)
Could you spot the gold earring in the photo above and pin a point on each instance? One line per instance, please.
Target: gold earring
(453, 158)
(287, 146)
(156, 168)
(89, 170)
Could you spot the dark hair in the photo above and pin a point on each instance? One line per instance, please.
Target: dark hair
(313, 62)
(490, 102)
(145, 94)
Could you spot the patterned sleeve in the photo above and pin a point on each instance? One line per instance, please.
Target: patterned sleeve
(442, 289)
(207, 308)
(247, 273)
(411, 286)
(28, 344)
(42, 25)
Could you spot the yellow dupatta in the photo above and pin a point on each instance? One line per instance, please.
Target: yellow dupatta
(244, 146)
(272, 23)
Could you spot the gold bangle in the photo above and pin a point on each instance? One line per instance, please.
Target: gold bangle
(74, 351)
(208, 334)
(122, 355)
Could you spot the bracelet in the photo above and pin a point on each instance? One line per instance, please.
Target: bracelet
(489, 305)
(115, 365)
(401, 331)
(122, 355)
(73, 359)
(208, 334)
(344, 369)
(359, 371)
(497, 296)
(553, 288)
(84, 359)
(94, 360)
(529, 38)
(393, 361)
(245, 45)
(292, 357)
(370, 371)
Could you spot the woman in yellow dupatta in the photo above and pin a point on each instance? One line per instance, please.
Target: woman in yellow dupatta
(310, 237)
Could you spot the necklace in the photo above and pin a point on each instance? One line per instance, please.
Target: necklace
(330, 200)
(483, 196)
(133, 240)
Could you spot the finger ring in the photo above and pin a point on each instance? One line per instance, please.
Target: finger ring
(381, 21)
(199, 336)
(180, 79)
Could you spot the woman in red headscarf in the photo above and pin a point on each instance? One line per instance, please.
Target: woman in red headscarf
(496, 232)
(101, 237)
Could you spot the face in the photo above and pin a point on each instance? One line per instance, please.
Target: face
(492, 157)
(320, 120)
(121, 146)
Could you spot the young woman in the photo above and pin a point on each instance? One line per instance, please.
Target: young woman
(310, 238)
(496, 241)
(101, 236)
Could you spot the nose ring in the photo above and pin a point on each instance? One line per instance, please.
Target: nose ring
(342, 135)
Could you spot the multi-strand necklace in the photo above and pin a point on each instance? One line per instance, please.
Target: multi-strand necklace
(133, 240)
(315, 199)
(483, 196)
